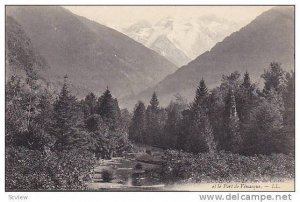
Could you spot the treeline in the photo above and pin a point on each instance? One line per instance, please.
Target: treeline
(236, 116)
(52, 141)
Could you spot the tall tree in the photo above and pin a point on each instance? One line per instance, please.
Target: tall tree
(289, 100)
(173, 123)
(137, 126)
(200, 137)
(246, 98)
(154, 103)
(154, 120)
(109, 109)
(274, 77)
(289, 114)
(65, 115)
(233, 138)
(265, 128)
(201, 95)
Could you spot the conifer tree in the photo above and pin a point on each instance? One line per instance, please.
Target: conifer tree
(65, 115)
(154, 103)
(153, 131)
(109, 109)
(148, 139)
(201, 94)
(201, 138)
(137, 126)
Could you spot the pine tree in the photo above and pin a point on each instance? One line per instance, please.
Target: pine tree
(65, 115)
(200, 137)
(201, 94)
(233, 137)
(153, 131)
(137, 126)
(154, 103)
(109, 109)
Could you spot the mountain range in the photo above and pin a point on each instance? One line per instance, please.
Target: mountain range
(55, 42)
(181, 39)
(92, 55)
(268, 38)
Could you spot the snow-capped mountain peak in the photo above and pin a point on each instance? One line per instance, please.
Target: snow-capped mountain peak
(185, 38)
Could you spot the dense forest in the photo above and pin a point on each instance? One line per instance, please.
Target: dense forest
(53, 140)
(235, 116)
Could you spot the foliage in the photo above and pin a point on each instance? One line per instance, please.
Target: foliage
(137, 126)
(274, 77)
(138, 166)
(233, 139)
(226, 167)
(27, 113)
(66, 115)
(51, 144)
(107, 175)
(109, 109)
(30, 170)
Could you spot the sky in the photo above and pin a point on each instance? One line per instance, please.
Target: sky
(119, 17)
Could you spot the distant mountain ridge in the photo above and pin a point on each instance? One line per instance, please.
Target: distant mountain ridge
(180, 40)
(94, 56)
(270, 37)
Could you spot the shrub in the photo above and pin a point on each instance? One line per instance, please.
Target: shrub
(138, 166)
(28, 170)
(226, 167)
(107, 175)
(148, 151)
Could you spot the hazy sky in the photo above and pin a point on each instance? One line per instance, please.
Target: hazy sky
(123, 16)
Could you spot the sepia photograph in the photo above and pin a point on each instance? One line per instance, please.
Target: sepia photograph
(149, 98)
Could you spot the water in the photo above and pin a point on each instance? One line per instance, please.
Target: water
(127, 175)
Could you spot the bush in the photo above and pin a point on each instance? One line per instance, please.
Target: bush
(31, 170)
(138, 166)
(107, 175)
(148, 151)
(226, 167)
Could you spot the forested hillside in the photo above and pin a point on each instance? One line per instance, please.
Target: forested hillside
(269, 37)
(93, 56)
